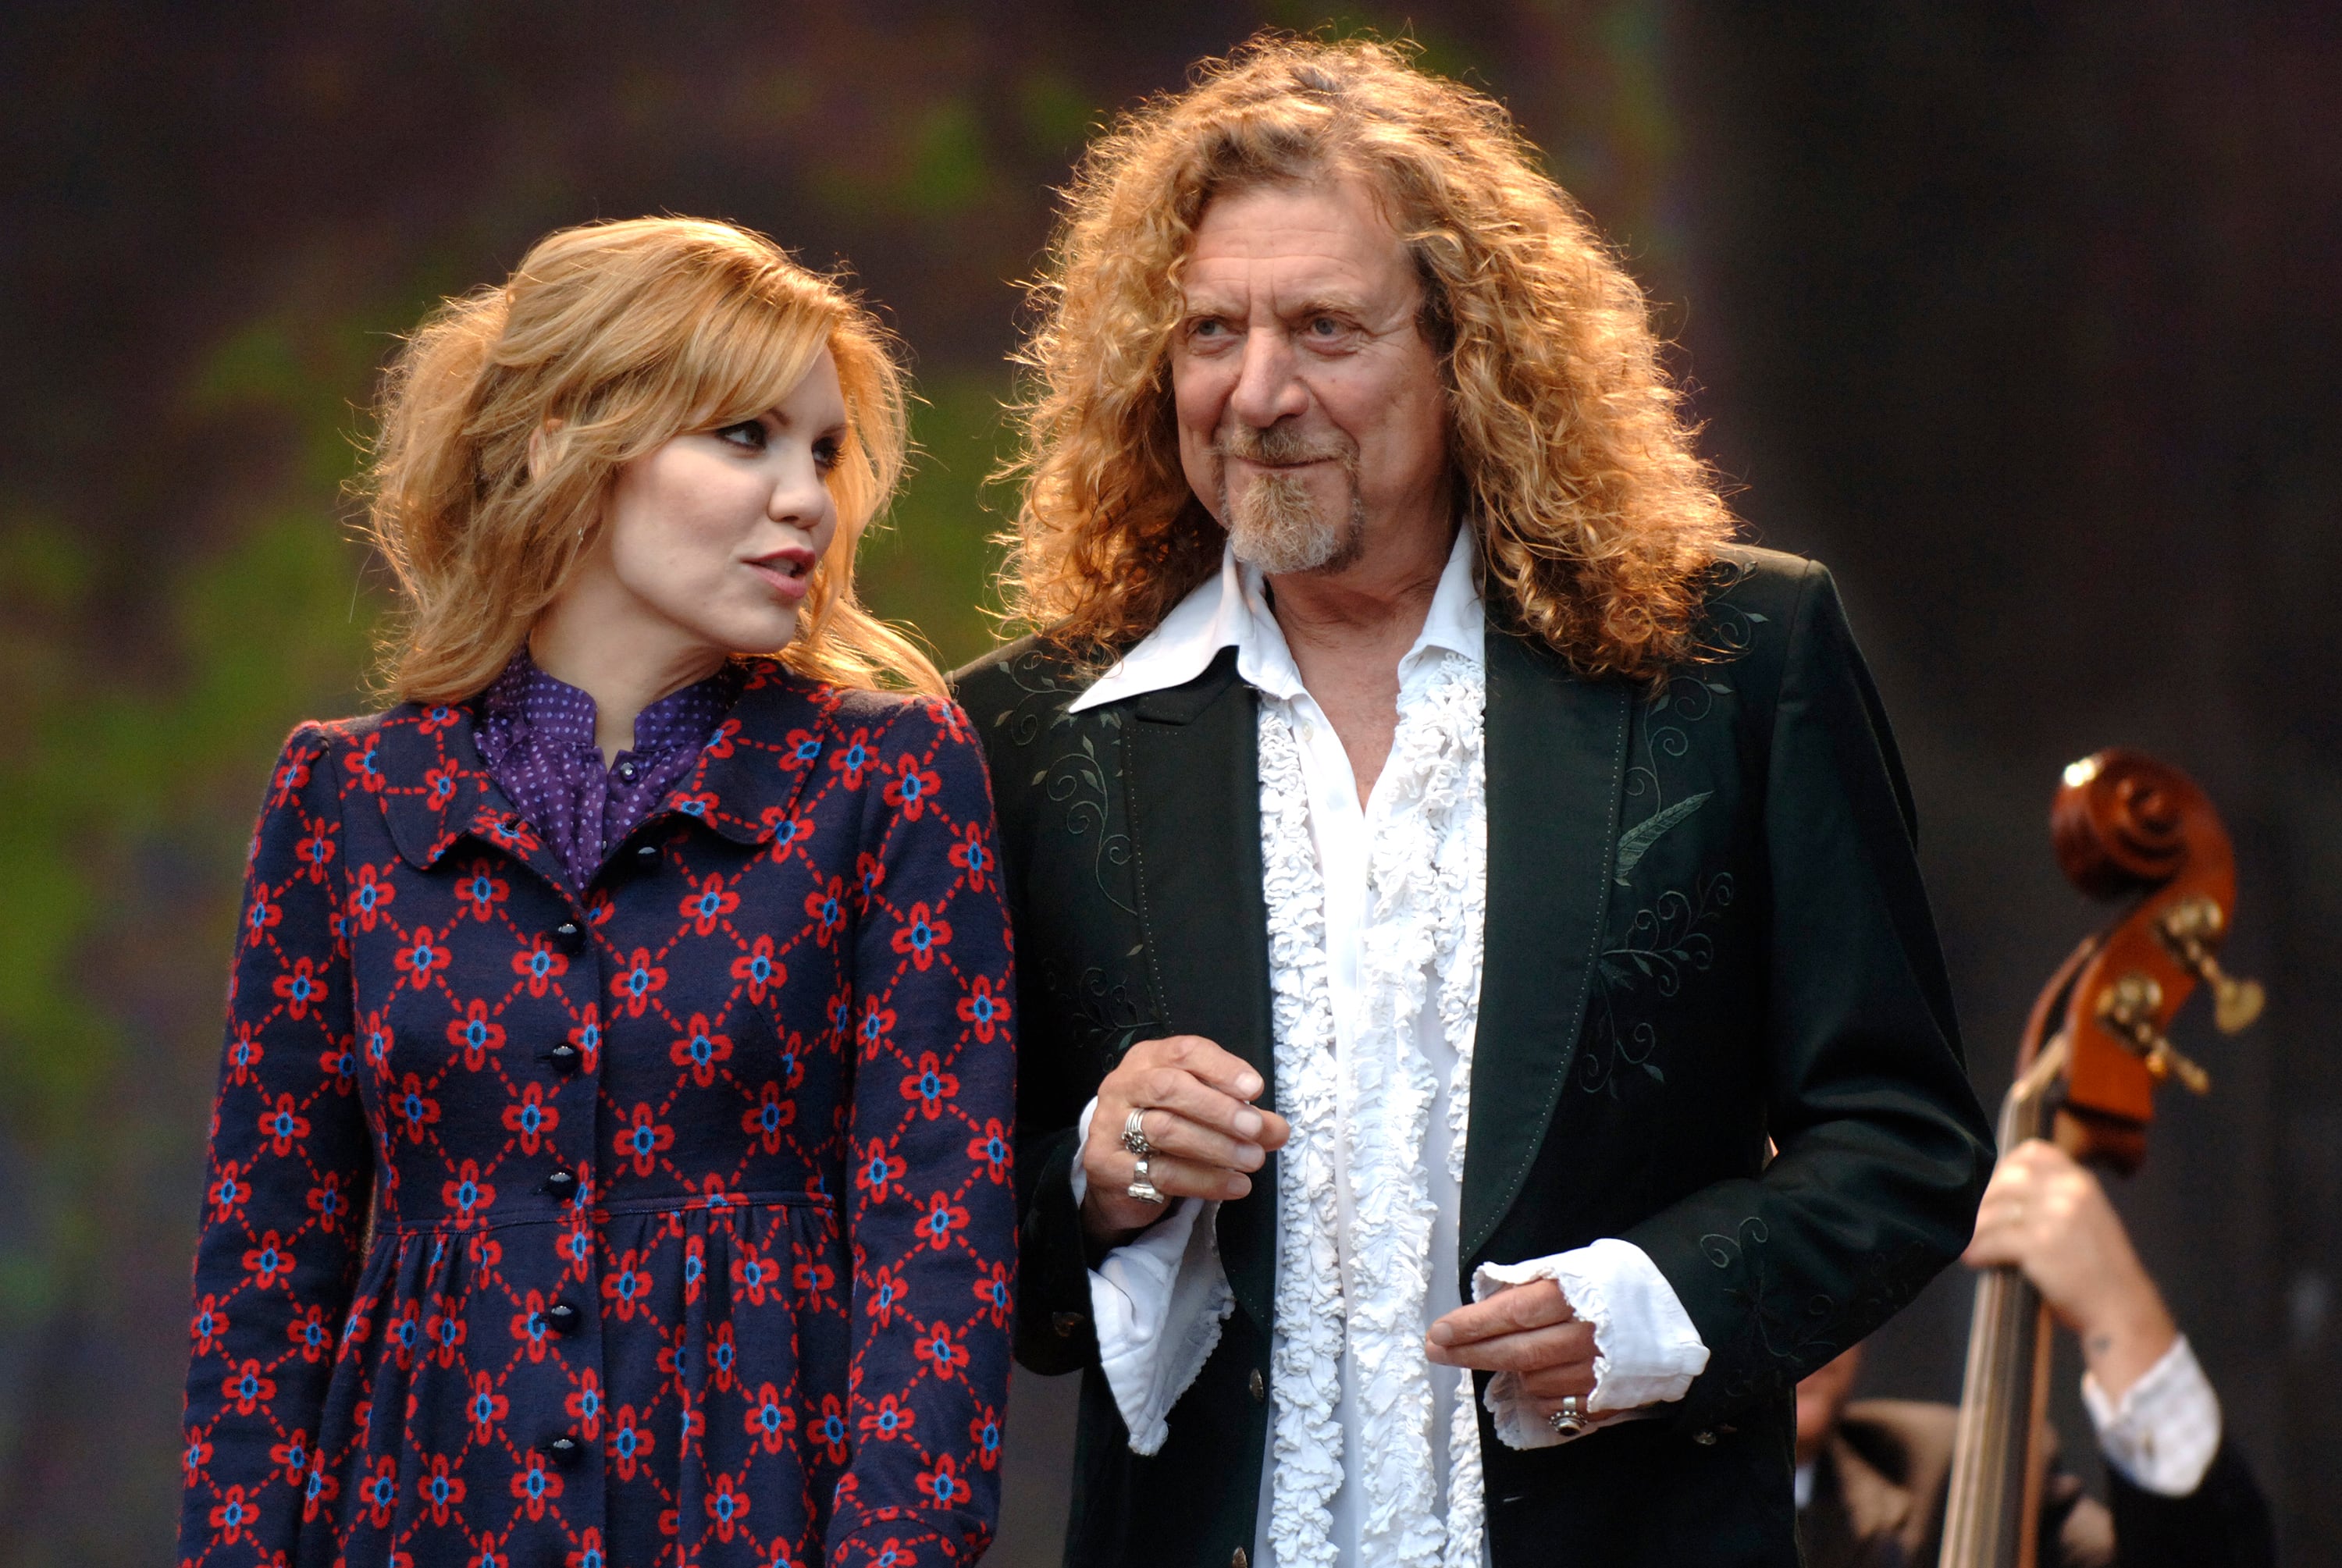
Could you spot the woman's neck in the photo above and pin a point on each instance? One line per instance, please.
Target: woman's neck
(624, 669)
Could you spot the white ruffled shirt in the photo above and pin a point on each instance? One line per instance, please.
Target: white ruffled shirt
(1375, 938)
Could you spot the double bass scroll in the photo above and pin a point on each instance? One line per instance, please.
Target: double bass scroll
(2094, 1048)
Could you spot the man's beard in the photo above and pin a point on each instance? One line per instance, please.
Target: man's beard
(1275, 523)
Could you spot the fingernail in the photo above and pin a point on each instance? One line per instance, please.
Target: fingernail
(1440, 1333)
(1248, 1122)
(1248, 1084)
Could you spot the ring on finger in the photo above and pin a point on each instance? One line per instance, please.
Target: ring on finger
(1570, 1419)
(1133, 1132)
(1141, 1185)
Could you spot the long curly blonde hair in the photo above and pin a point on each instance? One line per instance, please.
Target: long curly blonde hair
(1594, 519)
(607, 340)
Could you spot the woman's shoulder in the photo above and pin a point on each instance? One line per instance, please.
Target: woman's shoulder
(775, 697)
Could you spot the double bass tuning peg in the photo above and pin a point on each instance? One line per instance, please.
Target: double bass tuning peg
(2189, 928)
(2129, 1008)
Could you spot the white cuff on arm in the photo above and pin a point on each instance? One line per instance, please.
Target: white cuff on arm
(2164, 1431)
(1646, 1351)
(1159, 1302)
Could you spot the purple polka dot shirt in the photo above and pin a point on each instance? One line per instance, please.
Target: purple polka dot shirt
(536, 737)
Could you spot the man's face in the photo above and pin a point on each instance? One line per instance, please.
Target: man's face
(1312, 419)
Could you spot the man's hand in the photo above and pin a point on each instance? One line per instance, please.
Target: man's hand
(1194, 1097)
(1527, 1329)
(2047, 1216)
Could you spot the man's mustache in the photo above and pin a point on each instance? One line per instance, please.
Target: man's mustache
(1280, 444)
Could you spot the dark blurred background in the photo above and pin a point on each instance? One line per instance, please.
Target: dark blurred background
(2025, 318)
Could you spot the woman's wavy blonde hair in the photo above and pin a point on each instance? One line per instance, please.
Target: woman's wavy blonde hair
(1594, 518)
(607, 340)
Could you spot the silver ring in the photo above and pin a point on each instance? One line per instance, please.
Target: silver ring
(1133, 1132)
(1570, 1419)
(1142, 1188)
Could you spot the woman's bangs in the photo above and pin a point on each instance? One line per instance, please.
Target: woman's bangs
(742, 364)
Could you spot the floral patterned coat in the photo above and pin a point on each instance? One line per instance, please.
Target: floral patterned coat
(666, 1222)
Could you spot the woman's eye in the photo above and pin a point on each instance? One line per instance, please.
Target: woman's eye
(748, 433)
(826, 452)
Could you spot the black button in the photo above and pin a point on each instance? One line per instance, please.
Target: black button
(564, 1317)
(565, 1451)
(561, 1184)
(1253, 1384)
(565, 1057)
(570, 936)
(1066, 1324)
(647, 856)
(511, 823)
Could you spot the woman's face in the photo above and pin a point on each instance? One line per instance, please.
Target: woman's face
(712, 538)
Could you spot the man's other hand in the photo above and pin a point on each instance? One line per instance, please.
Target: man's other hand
(1195, 1101)
(1526, 1329)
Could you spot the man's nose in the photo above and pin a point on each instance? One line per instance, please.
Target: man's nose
(1268, 386)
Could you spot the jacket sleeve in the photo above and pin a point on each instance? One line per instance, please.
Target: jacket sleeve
(1884, 1150)
(933, 1248)
(285, 1188)
(2223, 1523)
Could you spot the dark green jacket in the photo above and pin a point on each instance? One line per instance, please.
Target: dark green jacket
(1705, 929)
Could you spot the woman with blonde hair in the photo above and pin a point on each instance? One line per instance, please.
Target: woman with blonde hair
(611, 1159)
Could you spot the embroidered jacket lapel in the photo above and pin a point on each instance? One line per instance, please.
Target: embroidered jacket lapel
(1557, 764)
(1192, 768)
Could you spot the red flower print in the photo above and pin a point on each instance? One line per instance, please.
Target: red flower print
(877, 1169)
(589, 1554)
(438, 716)
(303, 989)
(366, 766)
(476, 1034)
(893, 1418)
(922, 934)
(911, 786)
(930, 1086)
(636, 984)
(825, 905)
(886, 1296)
(329, 1203)
(509, 831)
(208, 1327)
(370, 894)
(814, 1281)
(630, 1443)
(336, 1062)
(486, 1407)
(438, 1490)
(291, 1457)
(984, 1432)
(726, 734)
(530, 1327)
(479, 890)
(993, 1150)
(444, 1330)
(269, 1261)
(315, 852)
(322, 1488)
(707, 903)
(232, 1514)
(727, 1507)
(415, 1110)
(943, 1483)
(723, 1355)
(466, 1195)
(403, 1333)
(763, 971)
(439, 785)
(798, 747)
(642, 1141)
(770, 1420)
(972, 855)
(584, 1405)
(853, 758)
(532, 1120)
(290, 779)
(894, 1554)
(940, 1351)
(696, 802)
(700, 1049)
(984, 1010)
(248, 1388)
(755, 1274)
(282, 1126)
(422, 954)
(244, 1055)
(535, 1486)
(829, 1430)
(375, 1039)
(998, 1292)
(229, 1191)
(627, 1286)
(588, 1038)
(869, 873)
(876, 1028)
(540, 964)
(695, 1265)
(310, 1335)
(941, 1219)
(772, 1115)
(261, 917)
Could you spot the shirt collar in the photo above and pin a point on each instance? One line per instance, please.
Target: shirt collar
(553, 713)
(1230, 610)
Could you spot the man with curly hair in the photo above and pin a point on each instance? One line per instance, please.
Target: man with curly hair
(1444, 867)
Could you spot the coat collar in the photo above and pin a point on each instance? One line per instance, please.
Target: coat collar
(422, 764)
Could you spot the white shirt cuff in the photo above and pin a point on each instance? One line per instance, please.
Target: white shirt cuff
(1646, 1351)
(1158, 1302)
(2164, 1431)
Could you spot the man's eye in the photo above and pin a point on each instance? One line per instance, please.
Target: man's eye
(1208, 327)
(748, 433)
(1324, 327)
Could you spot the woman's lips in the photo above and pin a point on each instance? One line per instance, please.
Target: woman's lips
(788, 574)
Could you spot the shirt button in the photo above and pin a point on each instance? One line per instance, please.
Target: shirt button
(626, 770)
(561, 1183)
(564, 1317)
(1258, 1389)
(563, 1057)
(1704, 1439)
(570, 936)
(565, 1451)
(1066, 1323)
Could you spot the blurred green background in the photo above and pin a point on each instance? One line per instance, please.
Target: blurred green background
(2023, 318)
